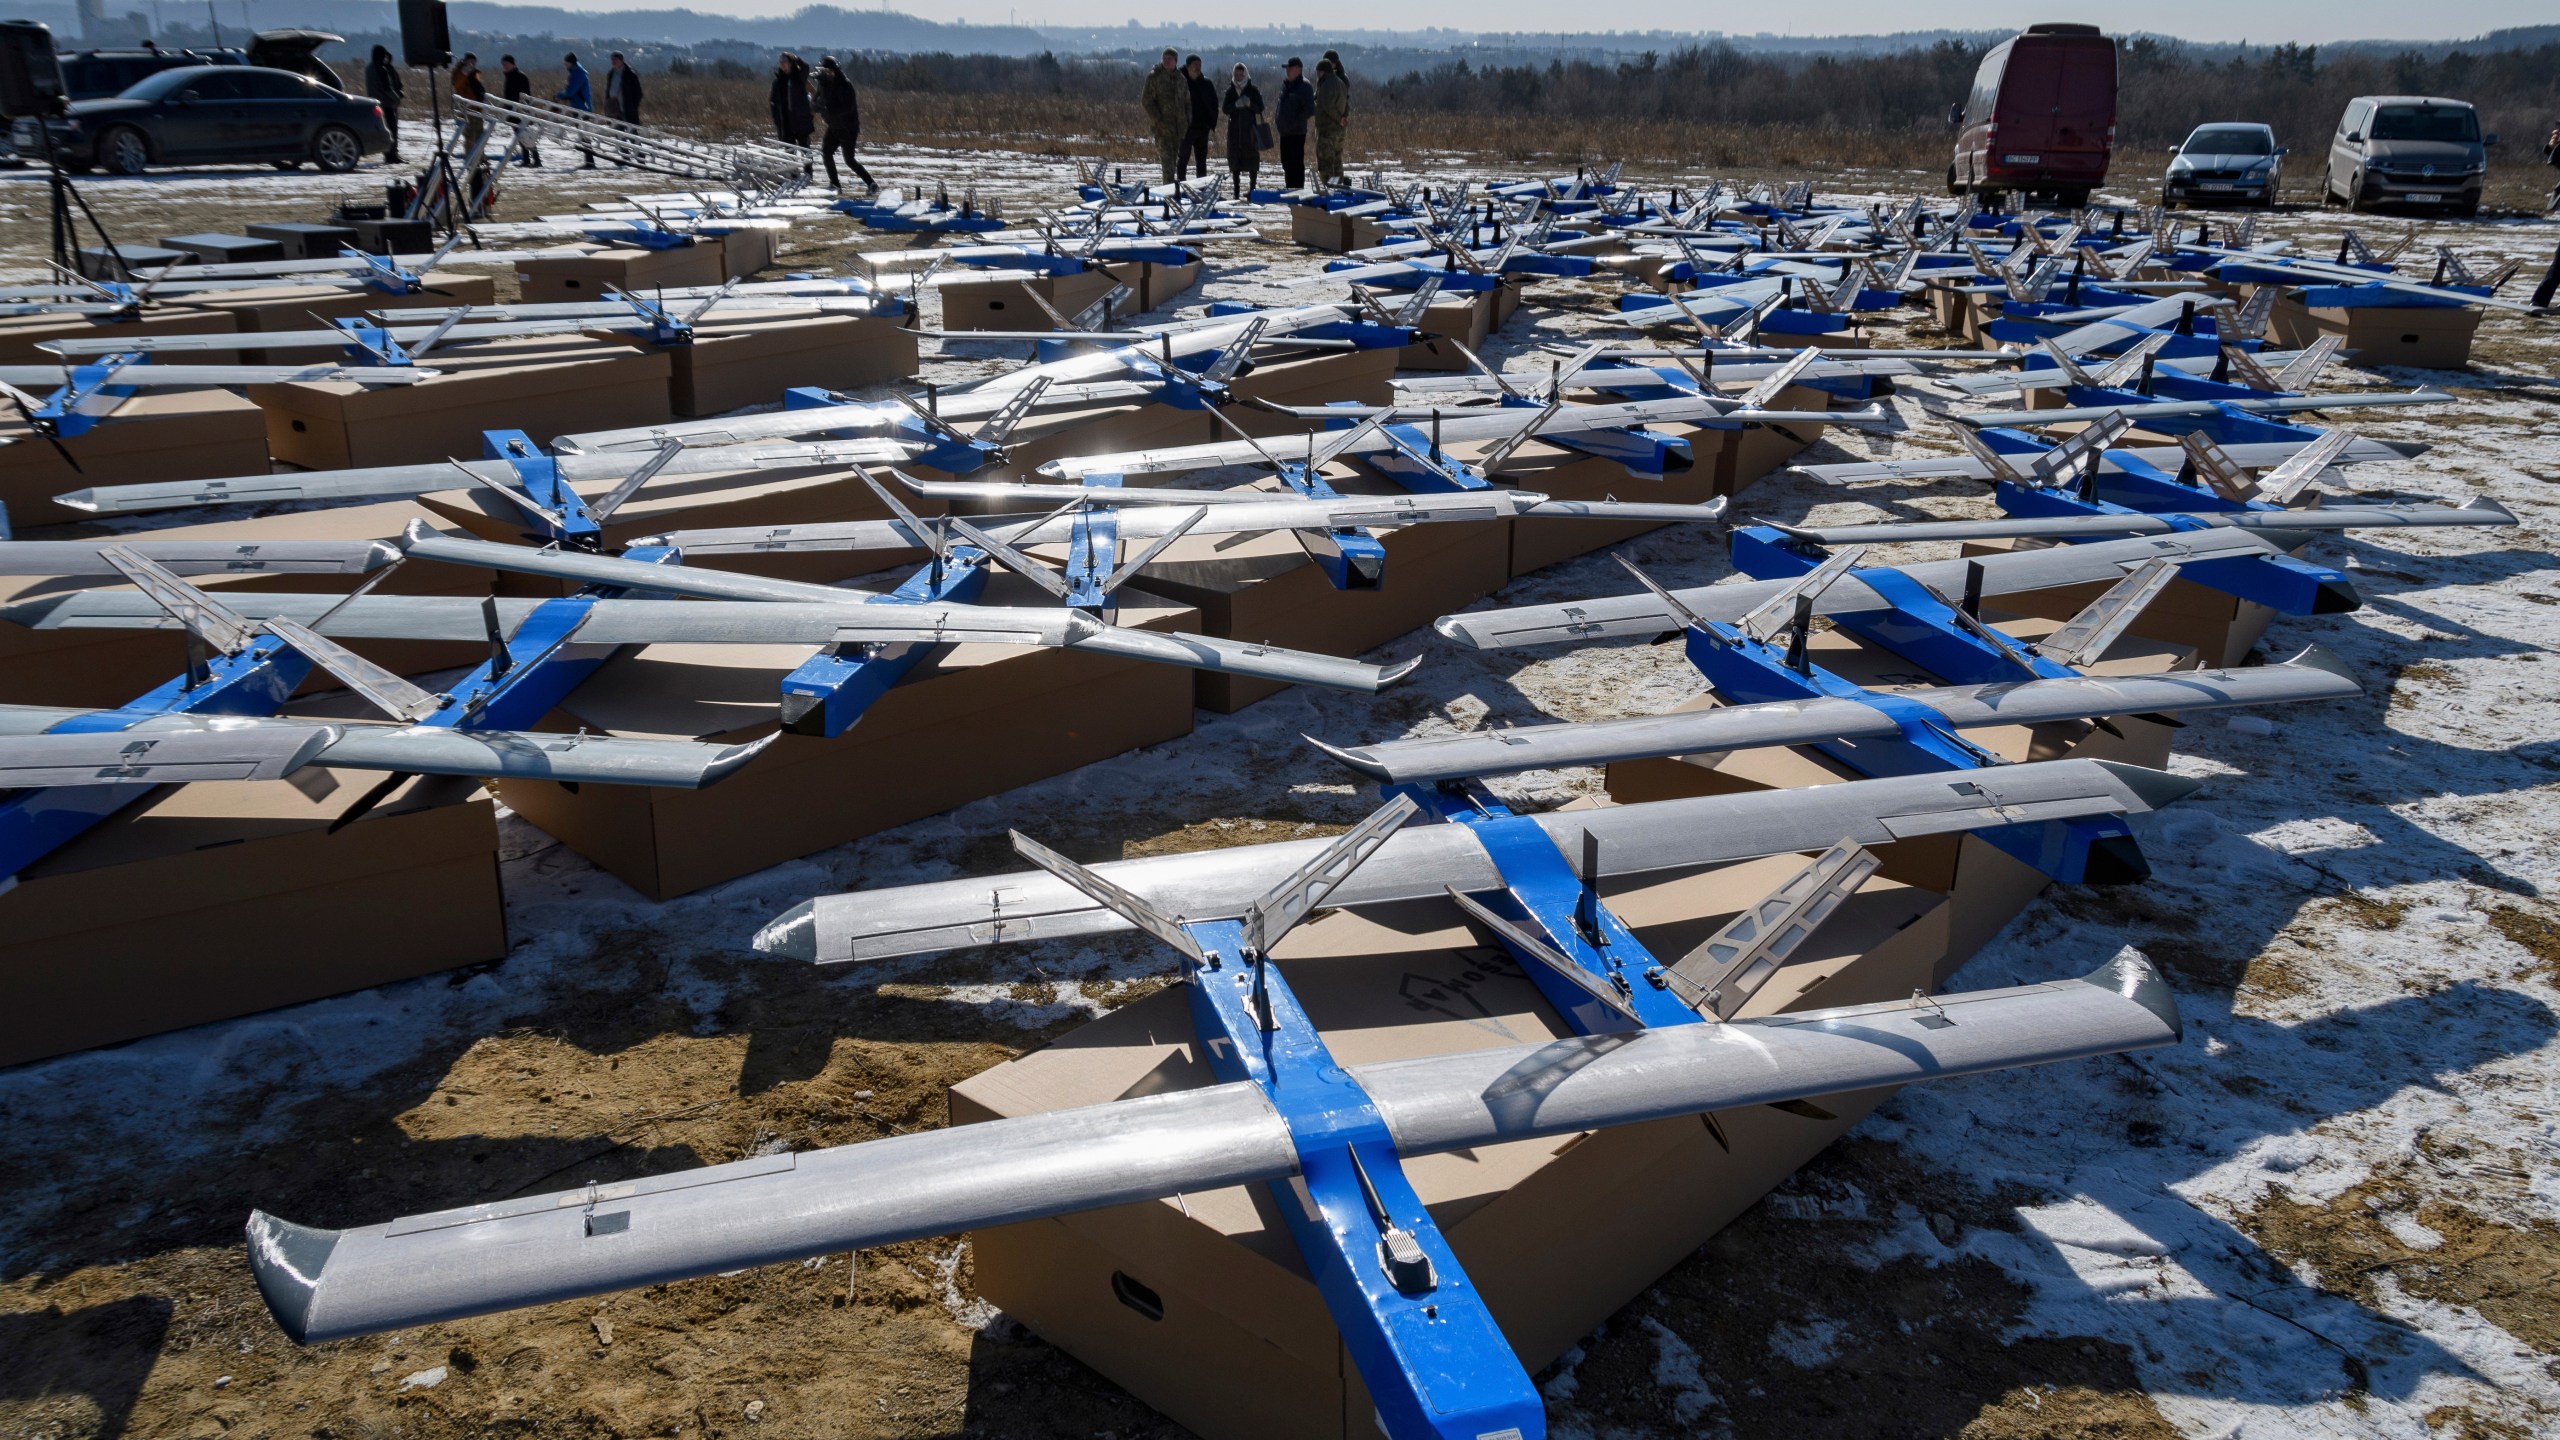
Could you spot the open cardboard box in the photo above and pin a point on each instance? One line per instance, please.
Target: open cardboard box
(153, 435)
(975, 721)
(21, 334)
(741, 358)
(549, 278)
(1267, 588)
(1985, 886)
(545, 386)
(206, 901)
(1201, 1305)
(104, 667)
(2422, 337)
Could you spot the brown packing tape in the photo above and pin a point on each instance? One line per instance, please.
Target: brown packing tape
(213, 900)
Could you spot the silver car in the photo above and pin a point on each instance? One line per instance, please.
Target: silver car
(2225, 163)
(2413, 150)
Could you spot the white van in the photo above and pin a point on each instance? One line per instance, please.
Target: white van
(2414, 150)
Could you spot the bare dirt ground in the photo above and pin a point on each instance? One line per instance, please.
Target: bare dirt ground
(2331, 1212)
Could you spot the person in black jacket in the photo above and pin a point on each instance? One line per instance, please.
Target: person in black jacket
(1243, 107)
(791, 117)
(843, 111)
(622, 89)
(514, 84)
(1297, 111)
(382, 82)
(1204, 118)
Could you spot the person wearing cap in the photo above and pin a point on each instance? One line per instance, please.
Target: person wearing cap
(1243, 107)
(1297, 109)
(842, 110)
(1167, 101)
(1333, 116)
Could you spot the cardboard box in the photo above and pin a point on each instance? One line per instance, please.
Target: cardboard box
(544, 386)
(1095, 430)
(973, 722)
(21, 334)
(2422, 337)
(1984, 885)
(1318, 228)
(2219, 627)
(1002, 305)
(1571, 475)
(153, 435)
(732, 498)
(103, 668)
(1157, 285)
(750, 359)
(1358, 377)
(588, 277)
(308, 307)
(1267, 588)
(1465, 317)
(745, 251)
(1759, 449)
(1236, 1344)
(202, 902)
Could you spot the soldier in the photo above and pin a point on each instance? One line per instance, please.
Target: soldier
(1333, 116)
(1168, 105)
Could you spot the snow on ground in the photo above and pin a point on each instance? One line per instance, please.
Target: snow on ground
(2349, 909)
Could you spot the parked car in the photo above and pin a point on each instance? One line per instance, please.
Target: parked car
(98, 74)
(2414, 150)
(2040, 119)
(213, 115)
(2225, 163)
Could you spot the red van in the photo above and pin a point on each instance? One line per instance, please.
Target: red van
(2041, 117)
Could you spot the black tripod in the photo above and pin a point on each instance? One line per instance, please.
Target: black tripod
(66, 198)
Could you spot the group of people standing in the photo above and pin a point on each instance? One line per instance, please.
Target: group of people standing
(1183, 108)
(621, 96)
(801, 99)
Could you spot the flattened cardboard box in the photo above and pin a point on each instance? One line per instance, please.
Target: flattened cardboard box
(550, 278)
(2423, 337)
(1984, 885)
(742, 358)
(1004, 305)
(207, 901)
(976, 721)
(105, 667)
(155, 435)
(1201, 1305)
(546, 386)
(1267, 589)
(21, 334)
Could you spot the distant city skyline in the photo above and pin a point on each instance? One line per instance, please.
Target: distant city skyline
(2269, 22)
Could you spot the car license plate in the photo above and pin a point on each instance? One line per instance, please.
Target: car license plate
(2428, 196)
(2216, 185)
(2021, 159)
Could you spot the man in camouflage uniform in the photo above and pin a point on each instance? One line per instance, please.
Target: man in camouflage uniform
(1333, 116)
(1168, 105)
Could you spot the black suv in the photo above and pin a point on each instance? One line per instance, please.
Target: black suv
(97, 74)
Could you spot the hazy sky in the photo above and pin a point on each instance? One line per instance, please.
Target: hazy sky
(2264, 21)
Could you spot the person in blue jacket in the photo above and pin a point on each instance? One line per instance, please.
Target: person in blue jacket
(578, 94)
